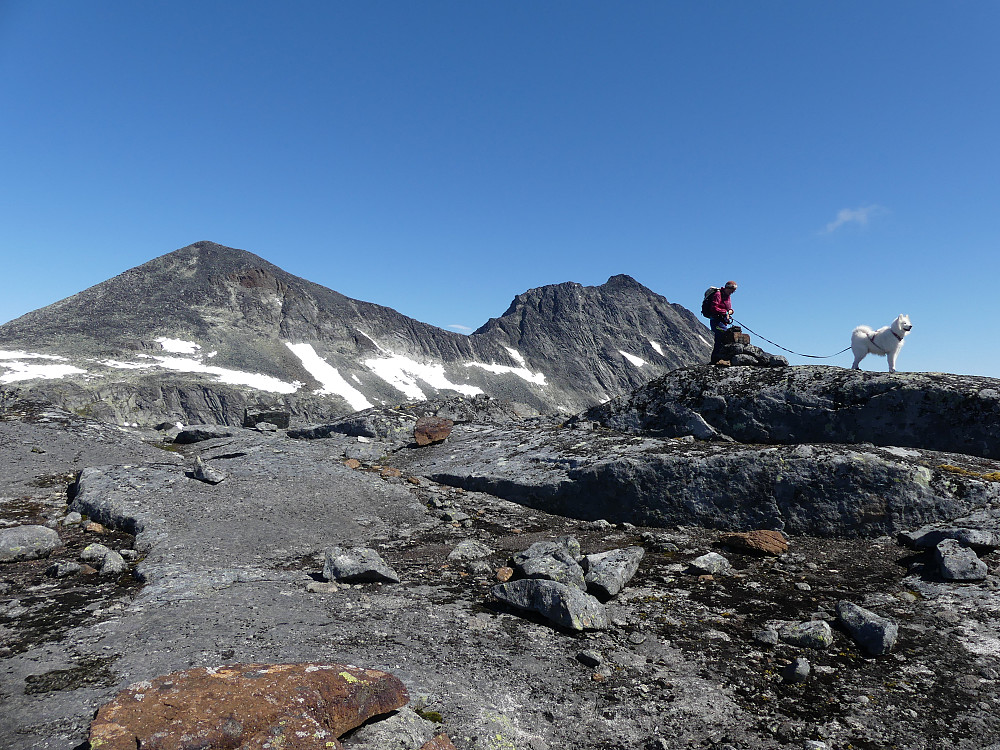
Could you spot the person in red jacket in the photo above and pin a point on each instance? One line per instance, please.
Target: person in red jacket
(722, 317)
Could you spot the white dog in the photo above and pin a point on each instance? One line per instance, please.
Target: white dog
(886, 341)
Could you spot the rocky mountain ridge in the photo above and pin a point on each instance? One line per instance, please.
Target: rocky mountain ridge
(205, 332)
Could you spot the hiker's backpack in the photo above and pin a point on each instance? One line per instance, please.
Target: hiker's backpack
(706, 304)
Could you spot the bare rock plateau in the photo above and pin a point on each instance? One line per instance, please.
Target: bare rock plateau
(737, 558)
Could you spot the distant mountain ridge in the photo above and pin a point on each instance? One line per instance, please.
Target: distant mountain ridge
(203, 332)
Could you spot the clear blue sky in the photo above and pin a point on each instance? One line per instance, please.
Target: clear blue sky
(840, 160)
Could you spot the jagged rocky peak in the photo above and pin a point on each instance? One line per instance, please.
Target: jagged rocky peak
(622, 320)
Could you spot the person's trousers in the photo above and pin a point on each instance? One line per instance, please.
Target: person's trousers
(719, 326)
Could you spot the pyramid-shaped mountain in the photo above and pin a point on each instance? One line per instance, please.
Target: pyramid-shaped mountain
(206, 331)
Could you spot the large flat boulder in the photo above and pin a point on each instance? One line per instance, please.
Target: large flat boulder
(824, 490)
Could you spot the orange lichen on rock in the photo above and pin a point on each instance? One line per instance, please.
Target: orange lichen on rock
(763, 541)
(303, 706)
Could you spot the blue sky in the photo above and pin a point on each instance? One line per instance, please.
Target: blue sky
(841, 161)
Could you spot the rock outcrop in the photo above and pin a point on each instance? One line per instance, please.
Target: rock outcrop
(823, 489)
(815, 404)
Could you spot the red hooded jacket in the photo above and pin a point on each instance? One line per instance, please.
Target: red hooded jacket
(720, 305)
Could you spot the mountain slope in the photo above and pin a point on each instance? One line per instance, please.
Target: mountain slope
(200, 333)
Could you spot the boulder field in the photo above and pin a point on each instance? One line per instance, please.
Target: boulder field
(653, 574)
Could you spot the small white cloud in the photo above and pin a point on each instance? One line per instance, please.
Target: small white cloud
(854, 216)
(460, 328)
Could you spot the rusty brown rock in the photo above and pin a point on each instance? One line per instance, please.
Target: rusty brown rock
(438, 742)
(504, 574)
(390, 472)
(761, 541)
(431, 430)
(95, 528)
(302, 706)
(352, 463)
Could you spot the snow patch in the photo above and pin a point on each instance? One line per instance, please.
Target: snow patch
(7, 354)
(517, 356)
(707, 342)
(370, 339)
(659, 349)
(537, 378)
(402, 374)
(332, 381)
(17, 370)
(632, 358)
(118, 365)
(177, 346)
(232, 377)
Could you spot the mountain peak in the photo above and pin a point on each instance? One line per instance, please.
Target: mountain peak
(623, 281)
(235, 315)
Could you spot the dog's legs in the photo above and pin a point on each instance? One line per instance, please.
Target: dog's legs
(891, 357)
(857, 361)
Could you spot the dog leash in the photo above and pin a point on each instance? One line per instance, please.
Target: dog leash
(798, 354)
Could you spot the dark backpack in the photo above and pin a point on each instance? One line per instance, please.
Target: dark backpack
(706, 304)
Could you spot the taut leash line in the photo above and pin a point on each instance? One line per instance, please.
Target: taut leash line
(798, 354)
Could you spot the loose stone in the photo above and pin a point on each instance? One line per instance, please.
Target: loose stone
(564, 605)
(712, 564)
(27, 543)
(470, 549)
(113, 564)
(609, 572)
(94, 553)
(958, 563)
(205, 473)
(430, 430)
(760, 541)
(248, 705)
(357, 565)
(766, 636)
(796, 672)
(812, 634)
(63, 569)
(875, 634)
